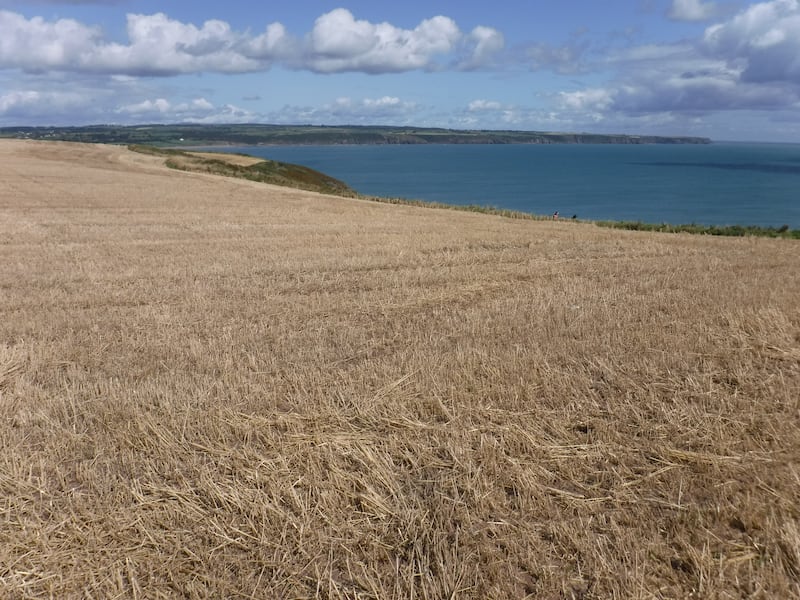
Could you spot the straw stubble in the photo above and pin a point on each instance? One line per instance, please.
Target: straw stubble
(214, 388)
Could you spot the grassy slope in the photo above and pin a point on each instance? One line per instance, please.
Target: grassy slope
(210, 388)
(262, 171)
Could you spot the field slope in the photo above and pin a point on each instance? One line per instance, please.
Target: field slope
(217, 388)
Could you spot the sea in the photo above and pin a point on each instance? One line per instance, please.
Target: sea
(710, 184)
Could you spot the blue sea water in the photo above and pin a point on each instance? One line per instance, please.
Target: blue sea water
(715, 184)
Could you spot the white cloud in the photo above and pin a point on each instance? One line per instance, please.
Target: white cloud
(690, 88)
(198, 110)
(368, 108)
(339, 42)
(593, 99)
(275, 43)
(15, 100)
(63, 70)
(386, 101)
(202, 103)
(159, 106)
(48, 107)
(488, 114)
(765, 39)
(37, 44)
(751, 62)
(338, 34)
(388, 110)
(227, 113)
(692, 10)
(700, 94)
(163, 46)
(483, 105)
(158, 45)
(484, 44)
(56, 99)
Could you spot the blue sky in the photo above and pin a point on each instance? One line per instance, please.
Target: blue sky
(729, 70)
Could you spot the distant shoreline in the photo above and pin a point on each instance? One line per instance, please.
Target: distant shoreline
(187, 135)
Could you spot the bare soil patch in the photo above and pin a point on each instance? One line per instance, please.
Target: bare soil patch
(214, 388)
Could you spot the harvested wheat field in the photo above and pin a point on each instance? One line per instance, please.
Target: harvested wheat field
(212, 388)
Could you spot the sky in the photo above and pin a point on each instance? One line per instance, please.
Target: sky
(729, 70)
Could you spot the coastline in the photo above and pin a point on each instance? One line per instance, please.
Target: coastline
(365, 160)
(192, 135)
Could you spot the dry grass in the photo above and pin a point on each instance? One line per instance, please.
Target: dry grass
(240, 160)
(211, 388)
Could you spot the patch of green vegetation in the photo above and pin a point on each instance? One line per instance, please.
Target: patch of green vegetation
(476, 208)
(724, 230)
(153, 151)
(265, 171)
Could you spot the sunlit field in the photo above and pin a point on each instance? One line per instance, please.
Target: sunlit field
(213, 388)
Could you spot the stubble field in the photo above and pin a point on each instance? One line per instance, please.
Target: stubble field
(211, 388)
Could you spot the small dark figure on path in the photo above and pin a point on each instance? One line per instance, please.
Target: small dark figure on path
(555, 216)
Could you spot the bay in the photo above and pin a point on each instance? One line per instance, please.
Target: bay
(715, 184)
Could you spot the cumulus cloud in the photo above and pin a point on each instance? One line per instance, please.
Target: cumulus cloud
(39, 45)
(198, 110)
(749, 62)
(389, 110)
(593, 99)
(347, 109)
(63, 99)
(159, 105)
(10, 102)
(490, 114)
(483, 105)
(274, 44)
(765, 38)
(500, 115)
(55, 100)
(158, 45)
(691, 10)
(484, 44)
(163, 46)
(49, 107)
(227, 113)
(692, 93)
(339, 42)
(385, 101)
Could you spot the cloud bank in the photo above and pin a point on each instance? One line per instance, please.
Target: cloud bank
(749, 62)
(160, 46)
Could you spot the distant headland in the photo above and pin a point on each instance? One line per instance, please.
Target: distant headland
(264, 135)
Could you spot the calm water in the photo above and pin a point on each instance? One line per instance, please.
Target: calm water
(720, 184)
